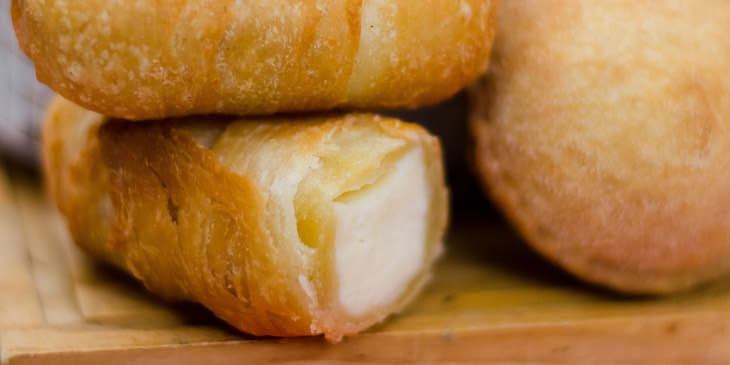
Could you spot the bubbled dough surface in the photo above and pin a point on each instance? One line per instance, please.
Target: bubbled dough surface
(142, 60)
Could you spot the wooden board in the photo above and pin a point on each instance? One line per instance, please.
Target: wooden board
(491, 300)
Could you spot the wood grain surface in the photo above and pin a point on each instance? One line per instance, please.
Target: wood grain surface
(491, 301)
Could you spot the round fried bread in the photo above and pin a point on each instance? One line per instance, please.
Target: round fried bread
(601, 130)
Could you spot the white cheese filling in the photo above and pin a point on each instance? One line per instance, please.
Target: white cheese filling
(380, 237)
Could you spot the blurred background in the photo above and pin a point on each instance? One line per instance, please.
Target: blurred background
(22, 98)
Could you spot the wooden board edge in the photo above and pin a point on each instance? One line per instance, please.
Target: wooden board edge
(701, 338)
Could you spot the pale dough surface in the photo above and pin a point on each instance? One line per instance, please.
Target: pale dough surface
(602, 131)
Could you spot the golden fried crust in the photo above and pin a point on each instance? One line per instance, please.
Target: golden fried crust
(601, 130)
(210, 210)
(139, 60)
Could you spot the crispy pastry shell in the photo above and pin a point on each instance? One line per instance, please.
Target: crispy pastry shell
(234, 214)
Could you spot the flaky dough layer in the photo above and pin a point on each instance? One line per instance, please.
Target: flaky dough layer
(602, 131)
(150, 60)
(239, 215)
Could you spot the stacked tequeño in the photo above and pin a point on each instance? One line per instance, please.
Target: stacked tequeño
(285, 225)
